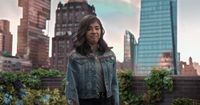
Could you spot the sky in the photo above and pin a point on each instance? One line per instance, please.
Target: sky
(118, 16)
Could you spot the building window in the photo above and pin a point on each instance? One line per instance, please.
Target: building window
(58, 14)
(65, 14)
(58, 33)
(69, 33)
(71, 7)
(82, 12)
(57, 25)
(78, 6)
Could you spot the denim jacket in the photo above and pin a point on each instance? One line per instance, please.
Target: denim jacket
(81, 77)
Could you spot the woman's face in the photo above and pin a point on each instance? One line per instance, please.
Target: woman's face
(93, 34)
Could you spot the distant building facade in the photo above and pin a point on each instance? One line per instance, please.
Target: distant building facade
(129, 50)
(158, 35)
(197, 67)
(166, 61)
(32, 43)
(5, 37)
(119, 65)
(14, 64)
(188, 69)
(68, 17)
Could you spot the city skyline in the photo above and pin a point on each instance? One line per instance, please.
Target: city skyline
(118, 16)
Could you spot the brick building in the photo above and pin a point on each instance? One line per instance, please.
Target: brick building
(32, 43)
(188, 69)
(5, 37)
(68, 16)
(165, 61)
(197, 67)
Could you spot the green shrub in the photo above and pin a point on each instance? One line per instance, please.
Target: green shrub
(29, 79)
(20, 88)
(157, 82)
(125, 88)
(45, 97)
(46, 73)
(182, 101)
(38, 97)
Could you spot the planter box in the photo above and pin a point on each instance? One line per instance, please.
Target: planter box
(51, 82)
(184, 86)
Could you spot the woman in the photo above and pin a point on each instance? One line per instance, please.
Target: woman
(91, 71)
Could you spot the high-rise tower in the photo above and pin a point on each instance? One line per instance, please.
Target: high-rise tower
(5, 37)
(158, 35)
(129, 50)
(32, 43)
(68, 17)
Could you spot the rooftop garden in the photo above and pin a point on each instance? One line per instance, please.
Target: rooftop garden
(25, 89)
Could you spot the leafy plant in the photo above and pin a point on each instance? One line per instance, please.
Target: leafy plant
(157, 82)
(125, 88)
(14, 91)
(29, 79)
(46, 73)
(44, 97)
(182, 101)
(8, 77)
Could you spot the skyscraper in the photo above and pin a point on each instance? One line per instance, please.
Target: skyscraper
(158, 35)
(68, 16)
(32, 43)
(5, 37)
(129, 50)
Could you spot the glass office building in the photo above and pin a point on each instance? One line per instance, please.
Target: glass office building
(158, 36)
(129, 50)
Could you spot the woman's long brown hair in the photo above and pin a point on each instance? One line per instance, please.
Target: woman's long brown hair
(81, 44)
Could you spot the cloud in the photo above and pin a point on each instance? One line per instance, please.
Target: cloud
(135, 3)
(128, 1)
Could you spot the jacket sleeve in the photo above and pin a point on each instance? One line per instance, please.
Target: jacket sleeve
(71, 85)
(115, 87)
